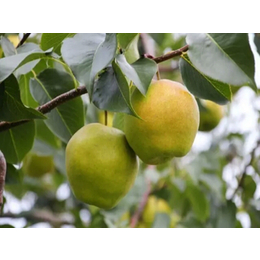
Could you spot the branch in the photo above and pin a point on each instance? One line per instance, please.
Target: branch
(48, 106)
(2, 177)
(137, 215)
(171, 54)
(241, 181)
(25, 37)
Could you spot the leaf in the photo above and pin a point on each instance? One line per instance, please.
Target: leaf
(54, 40)
(112, 93)
(16, 142)
(249, 188)
(124, 39)
(9, 64)
(11, 107)
(118, 121)
(226, 57)
(227, 216)
(13, 175)
(67, 118)
(7, 47)
(140, 72)
(202, 86)
(199, 202)
(257, 42)
(89, 53)
(161, 220)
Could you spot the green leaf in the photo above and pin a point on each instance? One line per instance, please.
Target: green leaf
(202, 86)
(7, 46)
(161, 220)
(140, 72)
(118, 121)
(226, 57)
(67, 118)
(16, 142)
(54, 40)
(199, 202)
(13, 175)
(11, 107)
(249, 188)
(89, 53)
(257, 42)
(132, 51)
(112, 93)
(227, 216)
(124, 39)
(9, 64)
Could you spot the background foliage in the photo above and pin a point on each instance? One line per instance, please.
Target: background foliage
(215, 185)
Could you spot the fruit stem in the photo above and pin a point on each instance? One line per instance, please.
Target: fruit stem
(158, 75)
(106, 117)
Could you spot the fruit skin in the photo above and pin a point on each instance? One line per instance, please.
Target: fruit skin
(210, 116)
(101, 166)
(35, 165)
(170, 122)
(154, 205)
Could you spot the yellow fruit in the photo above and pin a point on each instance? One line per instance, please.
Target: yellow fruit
(210, 116)
(101, 118)
(35, 165)
(154, 205)
(170, 122)
(14, 39)
(101, 166)
(174, 220)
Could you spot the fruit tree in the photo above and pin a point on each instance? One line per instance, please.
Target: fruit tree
(130, 130)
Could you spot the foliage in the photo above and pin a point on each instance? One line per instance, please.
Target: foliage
(215, 185)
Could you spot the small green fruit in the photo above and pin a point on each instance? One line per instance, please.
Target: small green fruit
(101, 166)
(210, 116)
(170, 122)
(35, 165)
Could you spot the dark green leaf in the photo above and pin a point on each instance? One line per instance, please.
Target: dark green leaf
(202, 86)
(257, 42)
(199, 202)
(227, 216)
(140, 72)
(89, 53)
(16, 142)
(54, 40)
(13, 175)
(226, 57)
(9, 64)
(67, 118)
(161, 220)
(112, 93)
(7, 46)
(249, 188)
(11, 106)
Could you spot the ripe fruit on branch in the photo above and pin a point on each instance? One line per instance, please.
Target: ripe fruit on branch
(210, 115)
(170, 121)
(101, 166)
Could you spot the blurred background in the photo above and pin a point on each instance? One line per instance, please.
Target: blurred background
(216, 185)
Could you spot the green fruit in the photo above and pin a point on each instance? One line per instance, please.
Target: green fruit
(210, 115)
(170, 122)
(154, 205)
(35, 165)
(101, 166)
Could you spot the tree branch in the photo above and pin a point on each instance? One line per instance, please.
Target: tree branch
(241, 181)
(171, 54)
(48, 106)
(25, 37)
(137, 215)
(2, 177)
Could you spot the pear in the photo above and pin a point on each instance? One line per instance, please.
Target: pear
(168, 125)
(101, 166)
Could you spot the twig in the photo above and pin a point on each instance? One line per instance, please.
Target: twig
(171, 54)
(25, 37)
(241, 181)
(140, 209)
(48, 106)
(2, 177)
